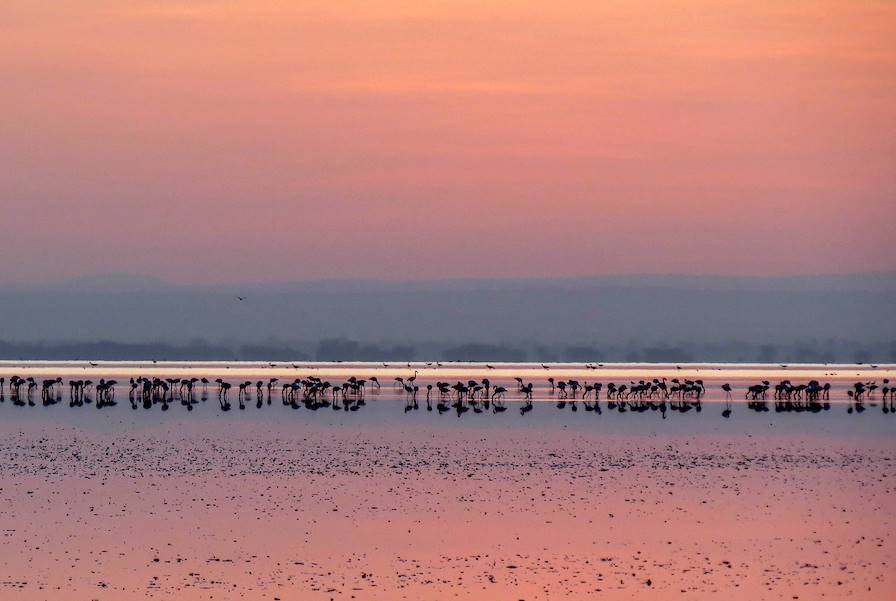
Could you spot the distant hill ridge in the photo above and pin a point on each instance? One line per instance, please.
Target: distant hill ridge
(118, 282)
(612, 311)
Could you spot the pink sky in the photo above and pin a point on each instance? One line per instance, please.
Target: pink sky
(215, 141)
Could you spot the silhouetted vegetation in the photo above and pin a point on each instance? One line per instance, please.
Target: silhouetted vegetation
(341, 349)
(483, 352)
(344, 349)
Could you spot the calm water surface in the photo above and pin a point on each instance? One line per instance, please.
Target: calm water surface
(385, 503)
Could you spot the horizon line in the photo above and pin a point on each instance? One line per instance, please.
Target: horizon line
(469, 279)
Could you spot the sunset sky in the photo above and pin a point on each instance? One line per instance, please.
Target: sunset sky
(220, 141)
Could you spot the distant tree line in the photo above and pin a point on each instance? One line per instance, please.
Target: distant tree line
(343, 349)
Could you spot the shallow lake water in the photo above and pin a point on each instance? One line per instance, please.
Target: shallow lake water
(389, 503)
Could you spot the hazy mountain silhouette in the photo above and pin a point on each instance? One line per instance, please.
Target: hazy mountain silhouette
(631, 314)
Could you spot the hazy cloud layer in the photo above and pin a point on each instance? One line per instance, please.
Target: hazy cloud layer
(215, 141)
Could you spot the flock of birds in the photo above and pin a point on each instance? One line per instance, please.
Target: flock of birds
(477, 396)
